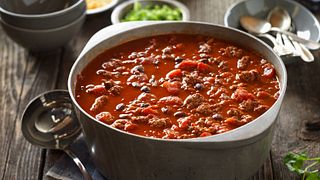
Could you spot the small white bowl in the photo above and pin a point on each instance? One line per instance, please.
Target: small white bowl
(103, 8)
(120, 11)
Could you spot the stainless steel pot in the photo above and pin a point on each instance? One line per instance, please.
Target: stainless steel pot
(119, 155)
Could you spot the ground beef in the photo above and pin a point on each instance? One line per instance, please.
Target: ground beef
(120, 123)
(205, 109)
(138, 78)
(261, 108)
(246, 118)
(99, 103)
(248, 76)
(171, 100)
(141, 119)
(205, 48)
(167, 110)
(223, 65)
(167, 50)
(159, 122)
(106, 74)
(115, 90)
(248, 105)
(112, 64)
(135, 55)
(193, 101)
(231, 51)
(97, 90)
(243, 63)
(191, 79)
(234, 112)
(200, 122)
(105, 117)
(147, 97)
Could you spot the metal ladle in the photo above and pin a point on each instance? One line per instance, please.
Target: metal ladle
(260, 26)
(49, 121)
(280, 18)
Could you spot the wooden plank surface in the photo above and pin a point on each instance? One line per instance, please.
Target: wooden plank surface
(24, 75)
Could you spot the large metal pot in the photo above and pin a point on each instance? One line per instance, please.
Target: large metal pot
(119, 155)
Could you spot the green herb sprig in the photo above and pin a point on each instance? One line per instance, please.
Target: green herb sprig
(303, 165)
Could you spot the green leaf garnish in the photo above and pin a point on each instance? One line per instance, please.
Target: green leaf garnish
(301, 164)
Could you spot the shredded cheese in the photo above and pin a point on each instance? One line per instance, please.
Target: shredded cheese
(93, 4)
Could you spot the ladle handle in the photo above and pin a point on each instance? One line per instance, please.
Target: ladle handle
(308, 43)
(81, 167)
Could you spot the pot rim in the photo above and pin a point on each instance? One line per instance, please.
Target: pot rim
(218, 138)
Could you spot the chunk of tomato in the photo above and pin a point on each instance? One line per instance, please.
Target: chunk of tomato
(187, 65)
(172, 87)
(149, 110)
(204, 68)
(204, 134)
(174, 73)
(130, 126)
(184, 122)
(242, 94)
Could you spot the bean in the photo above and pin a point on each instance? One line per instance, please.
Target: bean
(178, 60)
(137, 69)
(136, 84)
(145, 89)
(144, 105)
(179, 114)
(199, 86)
(217, 116)
(120, 107)
(108, 84)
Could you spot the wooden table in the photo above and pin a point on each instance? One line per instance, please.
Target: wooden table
(24, 75)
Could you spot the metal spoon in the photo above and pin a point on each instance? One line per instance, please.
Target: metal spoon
(279, 17)
(49, 121)
(260, 26)
(278, 48)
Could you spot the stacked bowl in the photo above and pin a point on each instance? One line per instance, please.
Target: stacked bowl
(42, 25)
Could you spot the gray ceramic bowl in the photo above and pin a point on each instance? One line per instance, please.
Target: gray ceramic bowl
(119, 155)
(40, 16)
(43, 40)
(305, 24)
(121, 10)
